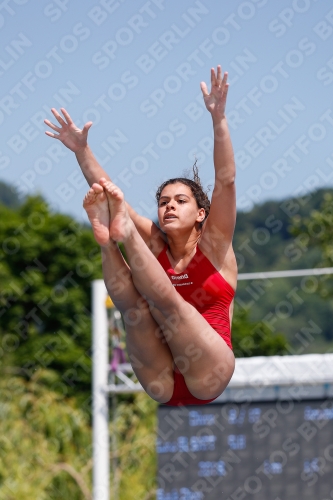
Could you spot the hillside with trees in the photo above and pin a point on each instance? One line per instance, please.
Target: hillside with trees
(266, 239)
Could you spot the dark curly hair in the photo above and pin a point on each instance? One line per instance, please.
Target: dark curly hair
(196, 187)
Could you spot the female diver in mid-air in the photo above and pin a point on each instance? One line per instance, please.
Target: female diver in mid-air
(176, 292)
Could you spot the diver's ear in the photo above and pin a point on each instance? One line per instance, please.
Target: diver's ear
(201, 215)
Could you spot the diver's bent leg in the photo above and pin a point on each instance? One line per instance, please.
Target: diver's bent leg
(150, 355)
(148, 352)
(201, 355)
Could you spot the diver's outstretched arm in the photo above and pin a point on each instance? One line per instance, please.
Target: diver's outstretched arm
(222, 216)
(76, 140)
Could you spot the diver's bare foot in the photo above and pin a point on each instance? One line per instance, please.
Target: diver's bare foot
(96, 205)
(120, 222)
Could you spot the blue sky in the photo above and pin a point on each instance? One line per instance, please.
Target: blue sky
(134, 69)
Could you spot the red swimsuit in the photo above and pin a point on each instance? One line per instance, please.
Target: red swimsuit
(202, 286)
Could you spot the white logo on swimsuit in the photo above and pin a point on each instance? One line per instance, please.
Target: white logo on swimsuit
(181, 277)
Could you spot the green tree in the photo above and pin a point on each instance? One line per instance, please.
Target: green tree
(47, 263)
(255, 339)
(316, 232)
(45, 442)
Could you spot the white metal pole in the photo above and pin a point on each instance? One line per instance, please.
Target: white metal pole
(101, 457)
